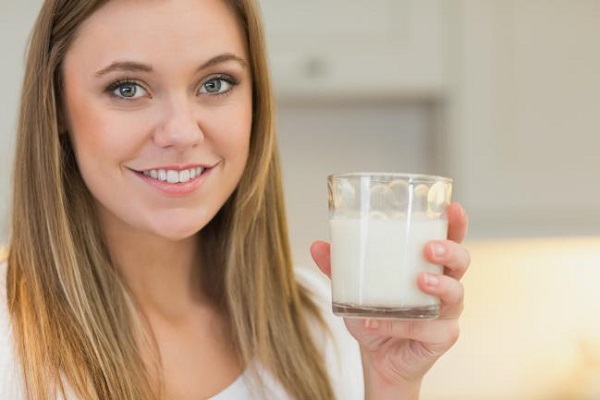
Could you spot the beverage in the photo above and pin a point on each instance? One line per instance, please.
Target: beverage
(379, 226)
(375, 264)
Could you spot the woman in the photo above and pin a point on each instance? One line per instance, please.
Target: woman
(149, 256)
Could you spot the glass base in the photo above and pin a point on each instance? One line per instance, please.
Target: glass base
(379, 312)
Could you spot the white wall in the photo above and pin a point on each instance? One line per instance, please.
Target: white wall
(16, 19)
(525, 107)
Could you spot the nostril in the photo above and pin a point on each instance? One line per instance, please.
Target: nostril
(179, 128)
(190, 137)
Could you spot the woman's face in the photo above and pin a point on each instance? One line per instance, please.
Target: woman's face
(158, 100)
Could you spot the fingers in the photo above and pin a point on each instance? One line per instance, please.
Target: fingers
(458, 222)
(443, 333)
(452, 256)
(321, 254)
(448, 290)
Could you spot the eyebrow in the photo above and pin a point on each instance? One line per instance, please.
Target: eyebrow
(133, 66)
(221, 59)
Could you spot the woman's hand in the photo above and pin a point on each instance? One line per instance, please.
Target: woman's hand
(396, 354)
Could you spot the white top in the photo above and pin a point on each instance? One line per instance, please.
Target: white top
(341, 355)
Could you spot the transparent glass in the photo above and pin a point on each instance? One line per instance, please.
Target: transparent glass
(379, 225)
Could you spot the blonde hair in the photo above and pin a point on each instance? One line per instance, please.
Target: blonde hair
(73, 319)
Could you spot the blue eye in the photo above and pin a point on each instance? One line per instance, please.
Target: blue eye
(217, 85)
(127, 90)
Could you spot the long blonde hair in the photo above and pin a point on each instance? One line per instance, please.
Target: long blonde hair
(73, 318)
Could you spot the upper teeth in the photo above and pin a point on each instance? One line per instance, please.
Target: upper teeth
(172, 176)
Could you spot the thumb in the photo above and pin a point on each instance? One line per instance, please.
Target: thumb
(321, 253)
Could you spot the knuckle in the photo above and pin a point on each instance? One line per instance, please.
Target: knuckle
(453, 333)
(403, 329)
(467, 258)
(460, 297)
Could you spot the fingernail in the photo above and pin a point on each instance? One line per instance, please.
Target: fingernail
(319, 251)
(439, 250)
(371, 324)
(432, 279)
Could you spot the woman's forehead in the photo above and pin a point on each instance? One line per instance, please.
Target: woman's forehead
(166, 28)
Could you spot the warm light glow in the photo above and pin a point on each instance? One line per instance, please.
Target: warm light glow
(531, 325)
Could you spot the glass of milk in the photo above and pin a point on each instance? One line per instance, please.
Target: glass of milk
(379, 225)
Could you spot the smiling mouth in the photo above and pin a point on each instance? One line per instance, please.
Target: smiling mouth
(173, 176)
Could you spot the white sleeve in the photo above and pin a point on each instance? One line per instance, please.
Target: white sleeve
(341, 351)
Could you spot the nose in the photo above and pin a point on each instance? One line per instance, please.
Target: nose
(179, 128)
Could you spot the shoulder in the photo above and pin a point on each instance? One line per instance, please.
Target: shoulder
(340, 349)
(10, 369)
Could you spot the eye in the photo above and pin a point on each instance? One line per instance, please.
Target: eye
(127, 90)
(218, 85)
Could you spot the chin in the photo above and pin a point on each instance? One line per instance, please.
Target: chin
(177, 229)
(176, 235)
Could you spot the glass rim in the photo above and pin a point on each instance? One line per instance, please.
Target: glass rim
(410, 177)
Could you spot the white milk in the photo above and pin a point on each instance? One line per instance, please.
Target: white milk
(375, 262)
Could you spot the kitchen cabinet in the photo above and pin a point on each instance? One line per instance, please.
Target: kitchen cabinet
(524, 110)
(348, 49)
(16, 20)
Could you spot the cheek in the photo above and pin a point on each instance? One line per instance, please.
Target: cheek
(93, 148)
(99, 135)
(233, 132)
(86, 125)
(89, 146)
(242, 145)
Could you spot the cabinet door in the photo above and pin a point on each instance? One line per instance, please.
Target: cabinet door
(527, 115)
(336, 48)
(16, 20)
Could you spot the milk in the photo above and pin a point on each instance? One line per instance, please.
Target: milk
(375, 262)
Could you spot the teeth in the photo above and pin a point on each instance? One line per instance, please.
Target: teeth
(184, 176)
(172, 176)
(162, 175)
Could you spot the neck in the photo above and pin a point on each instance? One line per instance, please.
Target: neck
(163, 275)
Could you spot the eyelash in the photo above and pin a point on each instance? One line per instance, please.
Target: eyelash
(122, 82)
(127, 81)
(221, 77)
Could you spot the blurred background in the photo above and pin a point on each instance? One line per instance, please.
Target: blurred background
(501, 95)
